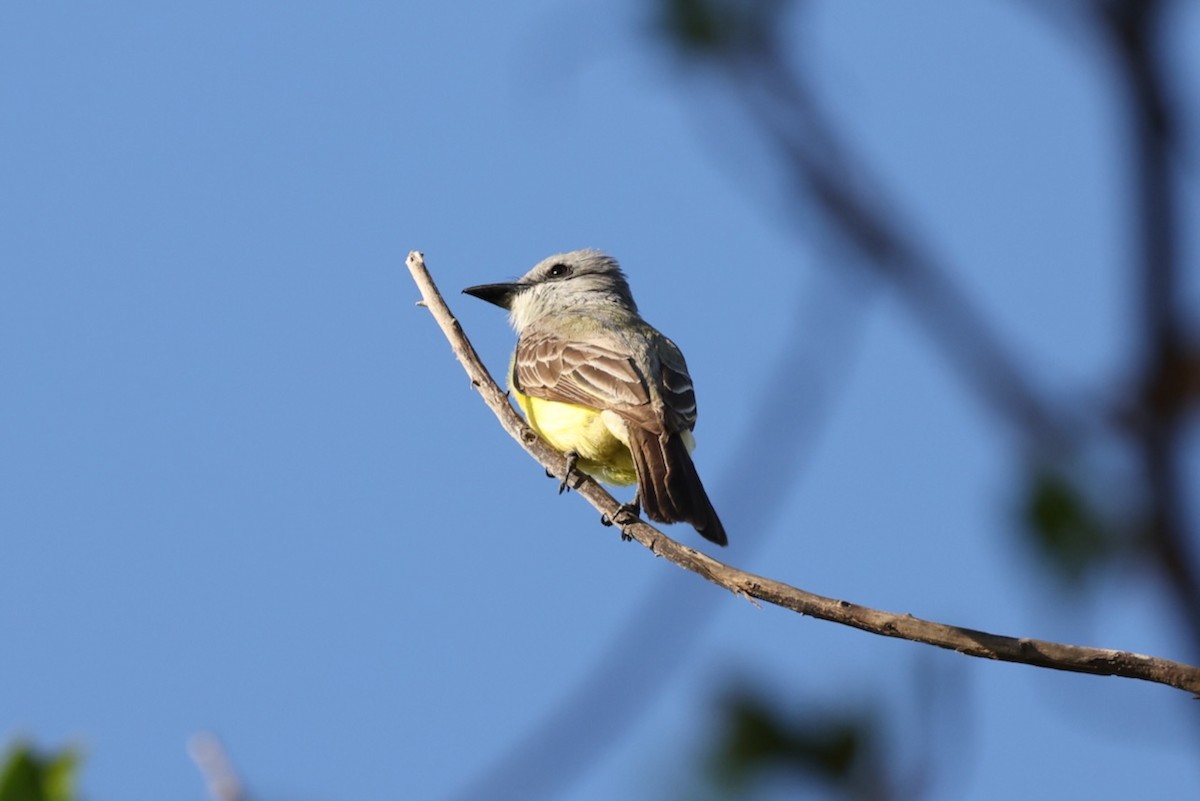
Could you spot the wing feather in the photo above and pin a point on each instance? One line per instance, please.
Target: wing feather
(588, 374)
(601, 373)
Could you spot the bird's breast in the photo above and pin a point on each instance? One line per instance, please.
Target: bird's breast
(568, 427)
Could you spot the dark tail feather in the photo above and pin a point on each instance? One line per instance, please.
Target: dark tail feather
(669, 487)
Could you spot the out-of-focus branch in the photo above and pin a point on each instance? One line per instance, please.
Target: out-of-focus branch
(854, 210)
(1039, 653)
(1133, 31)
(951, 317)
(214, 764)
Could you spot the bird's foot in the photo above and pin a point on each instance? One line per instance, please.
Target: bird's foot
(572, 459)
(627, 514)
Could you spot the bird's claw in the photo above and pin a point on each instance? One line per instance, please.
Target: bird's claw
(627, 514)
(572, 458)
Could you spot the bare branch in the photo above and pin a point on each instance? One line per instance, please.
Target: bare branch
(214, 764)
(1039, 653)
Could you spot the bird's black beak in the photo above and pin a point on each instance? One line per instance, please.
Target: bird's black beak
(500, 294)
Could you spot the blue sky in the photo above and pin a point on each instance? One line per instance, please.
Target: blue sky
(245, 488)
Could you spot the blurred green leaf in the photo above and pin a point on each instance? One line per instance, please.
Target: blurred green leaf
(757, 739)
(718, 27)
(26, 775)
(1064, 527)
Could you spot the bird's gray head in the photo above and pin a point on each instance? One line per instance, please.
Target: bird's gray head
(564, 281)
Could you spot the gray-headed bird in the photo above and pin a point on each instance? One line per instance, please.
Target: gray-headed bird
(603, 386)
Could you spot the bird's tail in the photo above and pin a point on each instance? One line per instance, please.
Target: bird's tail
(669, 487)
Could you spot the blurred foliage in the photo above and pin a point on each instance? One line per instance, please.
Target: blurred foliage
(758, 741)
(709, 28)
(1064, 527)
(27, 775)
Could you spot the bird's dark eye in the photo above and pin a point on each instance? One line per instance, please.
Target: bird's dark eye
(559, 270)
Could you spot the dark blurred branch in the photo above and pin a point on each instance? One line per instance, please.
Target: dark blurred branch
(853, 205)
(1133, 30)
(953, 320)
(1038, 653)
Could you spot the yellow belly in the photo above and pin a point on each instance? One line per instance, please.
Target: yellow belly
(567, 427)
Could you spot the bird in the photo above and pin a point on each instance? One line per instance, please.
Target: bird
(604, 387)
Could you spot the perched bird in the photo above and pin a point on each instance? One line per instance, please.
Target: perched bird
(603, 386)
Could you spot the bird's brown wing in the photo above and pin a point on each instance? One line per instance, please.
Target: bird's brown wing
(675, 386)
(597, 374)
(588, 374)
